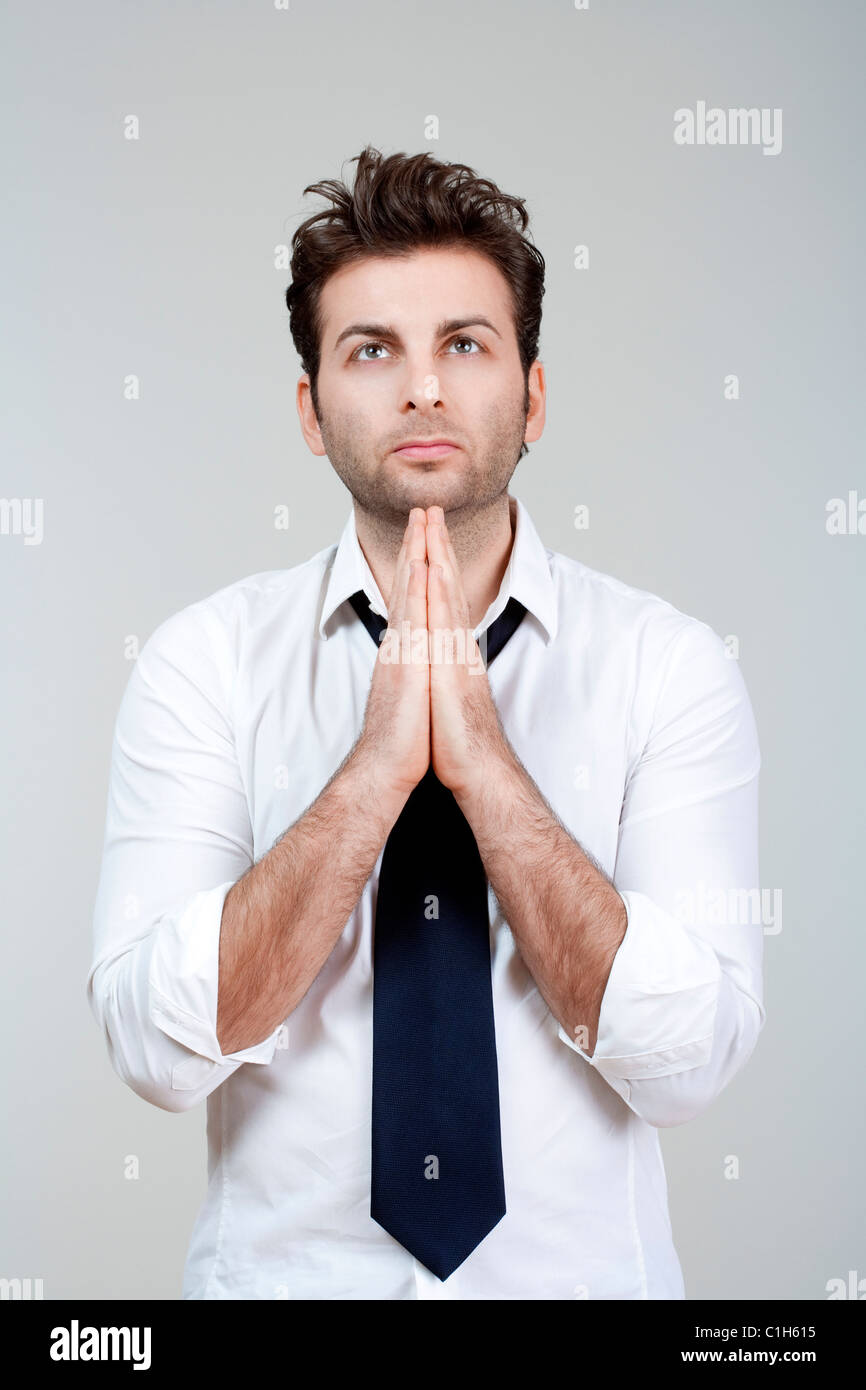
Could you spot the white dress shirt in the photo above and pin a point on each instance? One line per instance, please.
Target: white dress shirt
(637, 728)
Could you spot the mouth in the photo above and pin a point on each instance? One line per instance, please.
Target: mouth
(426, 451)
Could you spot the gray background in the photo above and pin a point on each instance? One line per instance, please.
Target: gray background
(157, 257)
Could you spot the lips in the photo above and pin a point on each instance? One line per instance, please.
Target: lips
(426, 448)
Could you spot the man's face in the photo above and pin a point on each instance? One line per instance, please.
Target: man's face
(396, 366)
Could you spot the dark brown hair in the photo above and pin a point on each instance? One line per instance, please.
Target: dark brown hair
(401, 203)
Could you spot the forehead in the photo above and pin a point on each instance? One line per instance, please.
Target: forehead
(418, 288)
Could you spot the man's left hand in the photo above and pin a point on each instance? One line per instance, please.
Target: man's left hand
(467, 742)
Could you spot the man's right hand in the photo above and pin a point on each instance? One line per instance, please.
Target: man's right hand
(396, 732)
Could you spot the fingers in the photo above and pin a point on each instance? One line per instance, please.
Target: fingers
(447, 606)
(408, 603)
(415, 608)
(436, 518)
(420, 594)
(413, 548)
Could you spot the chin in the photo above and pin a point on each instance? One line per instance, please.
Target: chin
(449, 499)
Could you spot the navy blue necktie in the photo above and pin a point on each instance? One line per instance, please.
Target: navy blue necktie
(437, 1182)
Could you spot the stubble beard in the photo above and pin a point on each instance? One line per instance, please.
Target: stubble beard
(386, 490)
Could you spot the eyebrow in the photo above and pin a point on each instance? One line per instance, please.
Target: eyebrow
(386, 330)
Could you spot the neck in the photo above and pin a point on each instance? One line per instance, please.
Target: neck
(482, 542)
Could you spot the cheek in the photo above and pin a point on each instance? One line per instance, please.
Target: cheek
(351, 421)
(499, 418)
(488, 388)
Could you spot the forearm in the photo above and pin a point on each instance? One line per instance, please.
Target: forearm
(282, 919)
(566, 917)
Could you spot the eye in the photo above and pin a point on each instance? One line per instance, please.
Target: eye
(362, 348)
(467, 340)
(356, 355)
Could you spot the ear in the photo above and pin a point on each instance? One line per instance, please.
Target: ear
(535, 416)
(307, 416)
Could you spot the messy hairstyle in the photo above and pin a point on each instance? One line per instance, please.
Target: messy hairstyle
(399, 204)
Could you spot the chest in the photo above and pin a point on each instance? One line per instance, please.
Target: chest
(567, 717)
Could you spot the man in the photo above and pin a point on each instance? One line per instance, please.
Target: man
(430, 925)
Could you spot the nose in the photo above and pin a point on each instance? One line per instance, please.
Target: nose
(422, 389)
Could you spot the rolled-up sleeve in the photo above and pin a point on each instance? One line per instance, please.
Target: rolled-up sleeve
(682, 1006)
(177, 837)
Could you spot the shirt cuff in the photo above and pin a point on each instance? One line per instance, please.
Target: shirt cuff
(659, 1004)
(183, 980)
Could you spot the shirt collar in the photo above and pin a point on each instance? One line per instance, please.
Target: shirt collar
(527, 576)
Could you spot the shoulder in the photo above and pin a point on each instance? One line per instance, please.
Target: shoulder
(247, 602)
(675, 672)
(204, 640)
(622, 617)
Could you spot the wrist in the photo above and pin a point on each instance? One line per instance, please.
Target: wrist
(377, 787)
(498, 781)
